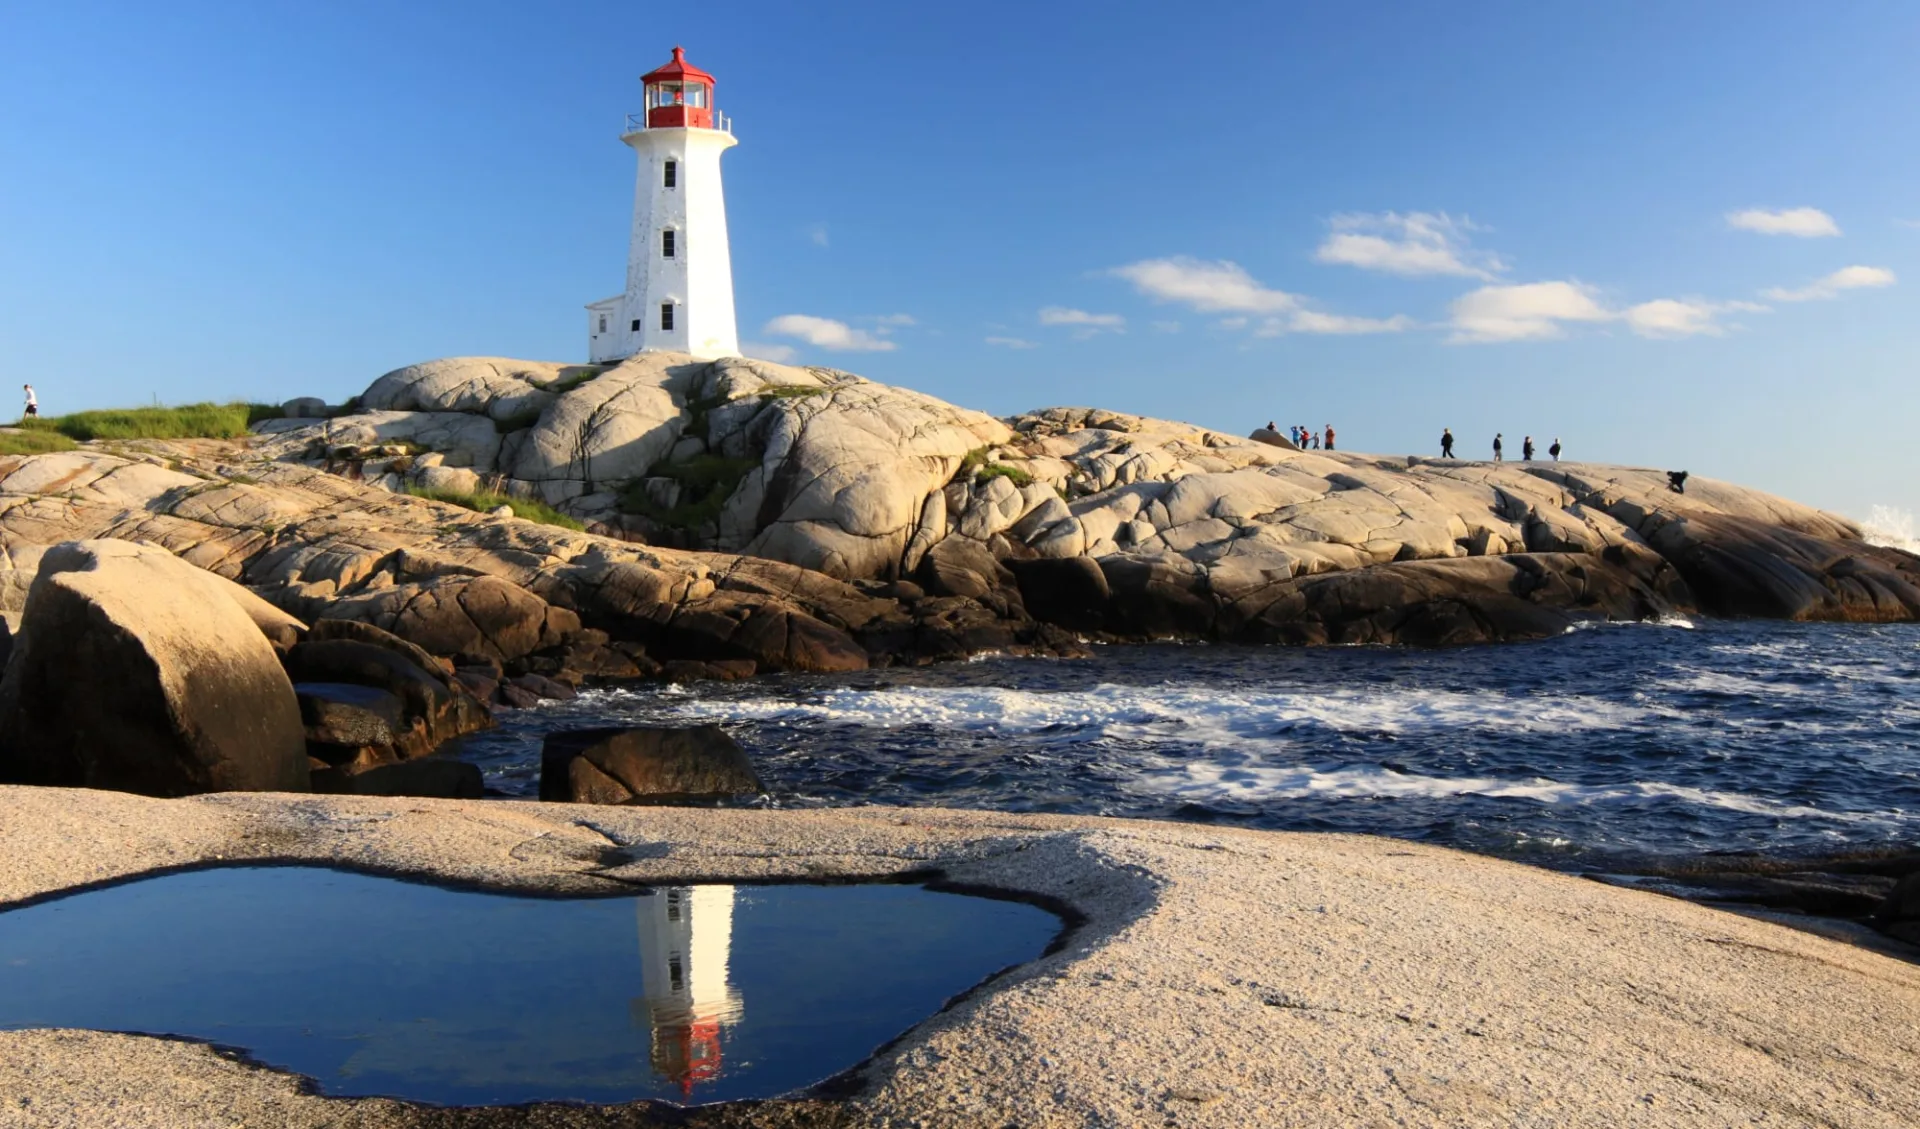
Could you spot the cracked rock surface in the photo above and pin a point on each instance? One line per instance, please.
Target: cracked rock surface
(1214, 977)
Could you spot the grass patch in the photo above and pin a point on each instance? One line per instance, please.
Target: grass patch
(706, 482)
(1001, 470)
(973, 459)
(34, 442)
(792, 392)
(571, 378)
(485, 501)
(188, 421)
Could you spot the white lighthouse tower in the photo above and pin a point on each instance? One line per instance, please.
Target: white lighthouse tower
(679, 295)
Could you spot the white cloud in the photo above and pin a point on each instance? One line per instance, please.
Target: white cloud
(893, 320)
(817, 234)
(1313, 321)
(1909, 223)
(1061, 315)
(1013, 343)
(1846, 278)
(1410, 243)
(1530, 311)
(1683, 317)
(1806, 223)
(827, 334)
(1210, 287)
(768, 351)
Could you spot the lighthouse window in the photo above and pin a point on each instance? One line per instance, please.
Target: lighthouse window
(603, 323)
(666, 316)
(671, 178)
(635, 326)
(666, 243)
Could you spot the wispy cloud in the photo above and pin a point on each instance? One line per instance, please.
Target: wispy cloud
(817, 234)
(768, 351)
(1532, 311)
(1165, 326)
(1313, 321)
(1542, 311)
(1915, 224)
(1683, 317)
(1846, 278)
(1013, 342)
(826, 333)
(1210, 287)
(1061, 315)
(1407, 243)
(1805, 223)
(893, 321)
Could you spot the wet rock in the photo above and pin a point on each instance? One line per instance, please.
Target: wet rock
(136, 671)
(715, 670)
(436, 706)
(614, 766)
(431, 777)
(1071, 591)
(540, 686)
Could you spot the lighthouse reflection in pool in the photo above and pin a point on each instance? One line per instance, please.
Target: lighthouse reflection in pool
(685, 935)
(372, 985)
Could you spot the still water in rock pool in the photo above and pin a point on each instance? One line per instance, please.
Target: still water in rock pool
(377, 986)
(1607, 742)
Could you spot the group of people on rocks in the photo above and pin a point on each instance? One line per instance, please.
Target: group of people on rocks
(1304, 438)
(1499, 446)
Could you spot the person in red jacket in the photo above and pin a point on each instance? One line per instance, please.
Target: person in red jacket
(1329, 437)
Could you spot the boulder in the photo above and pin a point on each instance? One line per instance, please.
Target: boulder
(138, 672)
(1072, 591)
(435, 707)
(431, 777)
(304, 407)
(617, 766)
(340, 713)
(1272, 438)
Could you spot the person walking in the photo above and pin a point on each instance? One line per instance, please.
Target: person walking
(1314, 440)
(1446, 442)
(1496, 446)
(1555, 449)
(1329, 437)
(33, 403)
(1526, 449)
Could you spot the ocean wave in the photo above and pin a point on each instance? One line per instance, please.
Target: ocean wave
(1189, 714)
(1891, 527)
(1213, 782)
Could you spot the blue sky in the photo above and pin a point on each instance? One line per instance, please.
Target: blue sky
(1685, 235)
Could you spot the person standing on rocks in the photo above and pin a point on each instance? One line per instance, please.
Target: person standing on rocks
(1526, 449)
(1329, 437)
(1496, 446)
(1446, 442)
(1555, 449)
(33, 403)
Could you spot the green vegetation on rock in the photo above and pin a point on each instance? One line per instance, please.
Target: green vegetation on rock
(572, 378)
(1001, 470)
(706, 482)
(188, 421)
(485, 501)
(34, 442)
(792, 392)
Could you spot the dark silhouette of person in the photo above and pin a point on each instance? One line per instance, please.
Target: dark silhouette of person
(1446, 442)
(1496, 446)
(1677, 481)
(1272, 428)
(1526, 449)
(1329, 437)
(1314, 441)
(1555, 449)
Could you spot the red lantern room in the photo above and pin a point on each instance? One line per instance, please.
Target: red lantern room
(679, 95)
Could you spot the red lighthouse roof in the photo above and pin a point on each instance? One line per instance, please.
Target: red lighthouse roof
(678, 70)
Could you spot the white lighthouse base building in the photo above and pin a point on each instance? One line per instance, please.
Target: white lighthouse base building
(679, 295)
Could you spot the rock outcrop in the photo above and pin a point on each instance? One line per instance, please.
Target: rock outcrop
(1192, 532)
(138, 672)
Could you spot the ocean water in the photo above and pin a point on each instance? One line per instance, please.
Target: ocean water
(1611, 742)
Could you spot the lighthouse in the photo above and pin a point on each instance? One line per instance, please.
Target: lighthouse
(686, 933)
(679, 295)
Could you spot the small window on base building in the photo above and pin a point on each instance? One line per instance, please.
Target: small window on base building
(666, 244)
(666, 315)
(670, 177)
(603, 323)
(636, 325)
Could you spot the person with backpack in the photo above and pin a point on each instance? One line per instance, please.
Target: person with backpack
(1555, 449)
(1446, 442)
(1496, 446)
(1526, 449)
